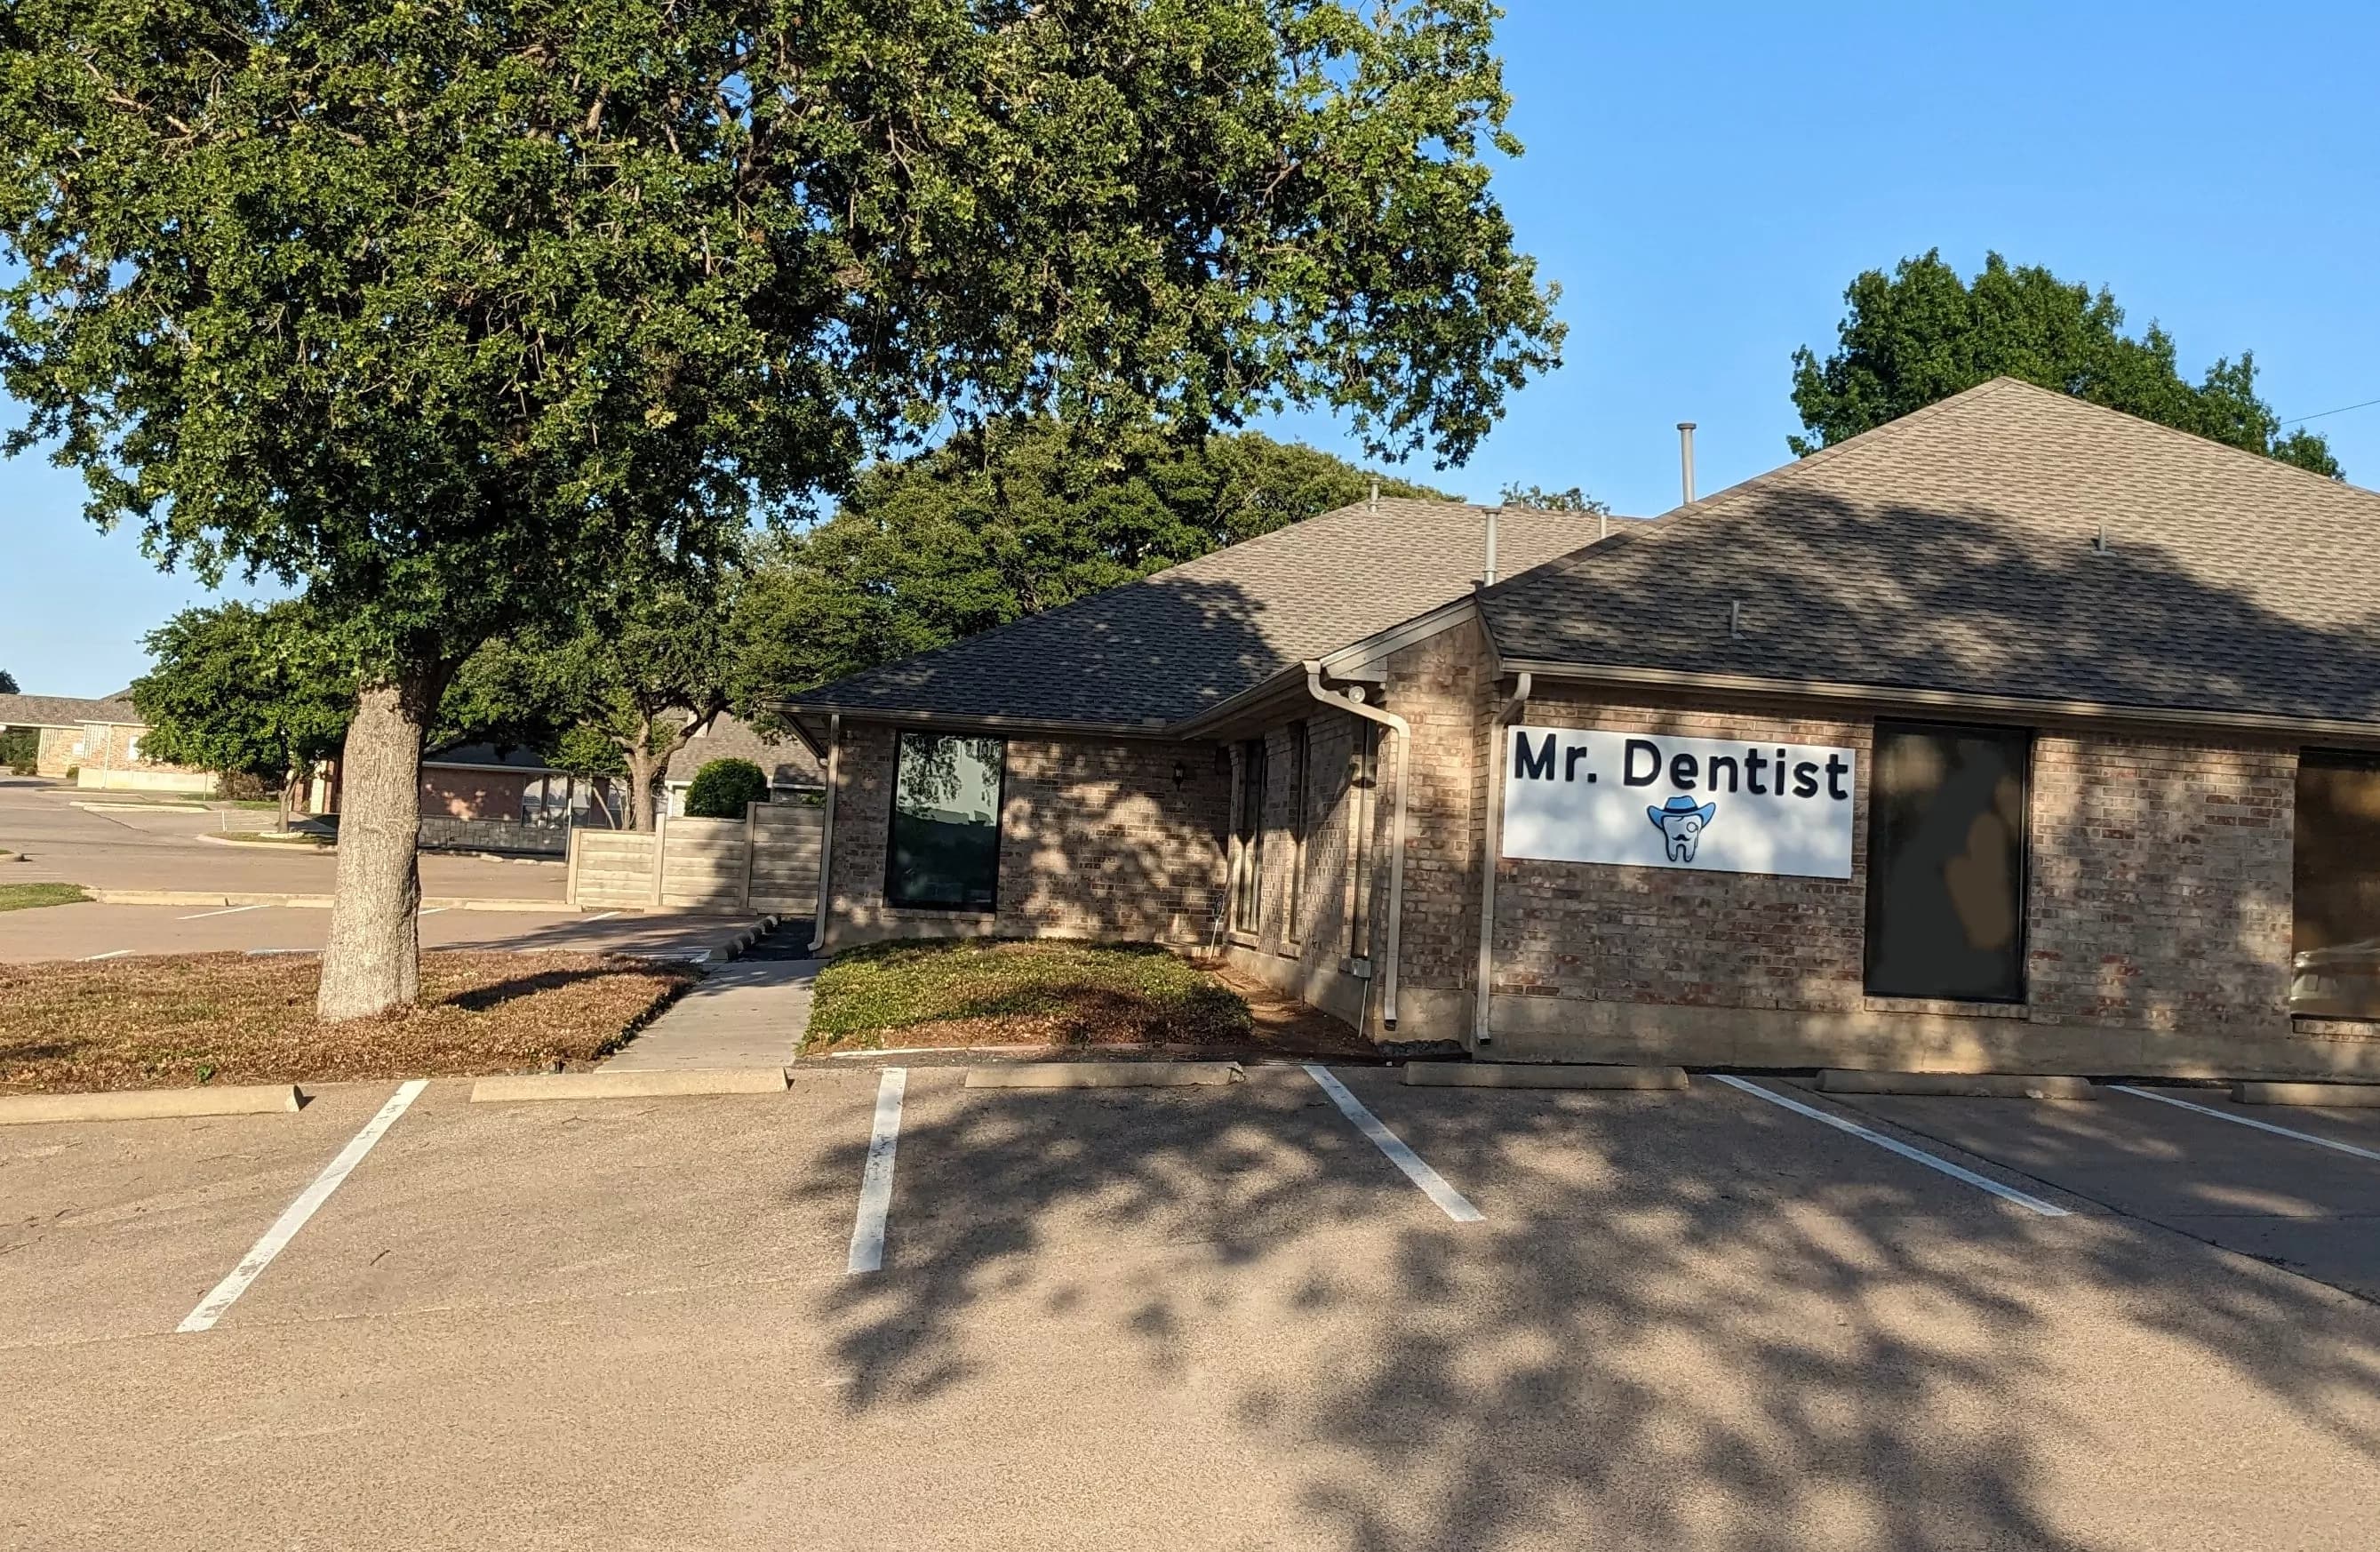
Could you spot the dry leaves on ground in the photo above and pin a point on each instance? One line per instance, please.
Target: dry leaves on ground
(172, 1020)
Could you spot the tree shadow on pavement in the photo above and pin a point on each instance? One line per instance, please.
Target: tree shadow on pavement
(1684, 1323)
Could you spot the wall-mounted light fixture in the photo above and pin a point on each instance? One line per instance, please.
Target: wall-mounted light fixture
(1181, 775)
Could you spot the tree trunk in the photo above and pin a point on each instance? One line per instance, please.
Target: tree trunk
(372, 962)
(644, 774)
(289, 780)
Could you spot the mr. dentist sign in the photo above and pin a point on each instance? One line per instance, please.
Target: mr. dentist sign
(1579, 795)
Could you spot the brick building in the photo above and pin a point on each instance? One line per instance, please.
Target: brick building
(96, 743)
(2017, 734)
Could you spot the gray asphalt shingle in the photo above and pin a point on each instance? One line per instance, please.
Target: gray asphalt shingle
(1955, 550)
(1169, 646)
(64, 711)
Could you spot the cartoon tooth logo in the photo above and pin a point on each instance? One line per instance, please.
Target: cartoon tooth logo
(1682, 824)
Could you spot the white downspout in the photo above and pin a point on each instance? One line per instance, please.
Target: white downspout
(1505, 715)
(826, 831)
(1403, 731)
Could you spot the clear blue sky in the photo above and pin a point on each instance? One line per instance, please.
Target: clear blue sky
(1705, 180)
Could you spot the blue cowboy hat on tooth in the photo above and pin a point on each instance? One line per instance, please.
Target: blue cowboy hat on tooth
(1682, 821)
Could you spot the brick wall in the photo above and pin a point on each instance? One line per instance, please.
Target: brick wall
(2161, 887)
(1674, 936)
(1096, 841)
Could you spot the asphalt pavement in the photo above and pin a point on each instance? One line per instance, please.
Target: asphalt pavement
(124, 840)
(1213, 1317)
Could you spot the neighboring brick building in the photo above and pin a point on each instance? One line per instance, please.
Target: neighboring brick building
(2017, 734)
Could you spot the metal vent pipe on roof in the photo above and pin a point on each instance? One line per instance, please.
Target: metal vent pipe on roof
(1687, 458)
(1488, 577)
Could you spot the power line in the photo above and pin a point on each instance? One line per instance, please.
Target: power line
(2340, 410)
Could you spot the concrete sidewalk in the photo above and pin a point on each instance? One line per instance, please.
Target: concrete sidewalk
(750, 1013)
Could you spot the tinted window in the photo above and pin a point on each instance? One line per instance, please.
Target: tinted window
(1249, 892)
(2336, 969)
(945, 844)
(1945, 864)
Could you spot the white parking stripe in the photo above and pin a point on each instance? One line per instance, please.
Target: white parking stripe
(1433, 1185)
(2247, 1121)
(228, 910)
(436, 909)
(293, 1219)
(1891, 1145)
(876, 1180)
(111, 954)
(599, 916)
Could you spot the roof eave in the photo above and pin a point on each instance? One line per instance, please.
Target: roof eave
(1992, 707)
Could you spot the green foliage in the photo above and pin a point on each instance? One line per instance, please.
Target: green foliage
(447, 311)
(587, 752)
(21, 749)
(1062, 991)
(244, 692)
(26, 896)
(1009, 520)
(721, 790)
(1544, 500)
(8, 683)
(1922, 333)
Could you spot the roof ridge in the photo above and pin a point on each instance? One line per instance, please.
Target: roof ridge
(2073, 401)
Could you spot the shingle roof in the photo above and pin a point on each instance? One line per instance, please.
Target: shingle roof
(64, 711)
(784, 762)
(1955, 550)
(1171, 645)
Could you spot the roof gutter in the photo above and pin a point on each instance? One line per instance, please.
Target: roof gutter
(1506, 714)
(1352, 703)
(1890, 698)
(826, 834)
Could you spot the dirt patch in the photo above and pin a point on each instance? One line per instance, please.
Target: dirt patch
(1284, 1023)
(169, 1022)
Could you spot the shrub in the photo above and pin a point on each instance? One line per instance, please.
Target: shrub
(722, 788)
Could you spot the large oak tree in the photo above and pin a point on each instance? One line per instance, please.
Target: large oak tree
(1923, 333)
(446, 311)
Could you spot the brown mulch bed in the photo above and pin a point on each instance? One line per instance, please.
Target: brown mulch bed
(169, 1022)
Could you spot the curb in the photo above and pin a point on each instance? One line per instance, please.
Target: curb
(142, 1105)
(628, 1085)
(1959, 1085)
(1105, 1075)
(2336, 1096)
(102, 806)
(309, 902)
(308, 844)
(1540, 1075)
(732, 949)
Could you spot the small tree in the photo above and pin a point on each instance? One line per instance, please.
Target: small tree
(722, 788)
(245, 691)
(8, 683)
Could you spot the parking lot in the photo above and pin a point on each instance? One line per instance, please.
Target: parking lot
(1215, 1316)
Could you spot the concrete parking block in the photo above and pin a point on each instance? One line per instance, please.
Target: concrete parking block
(612, 1084)
(2343, 1096)
(1104, 1075)
(141, 1105)
(1957, 1085)
(1540, 1075)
